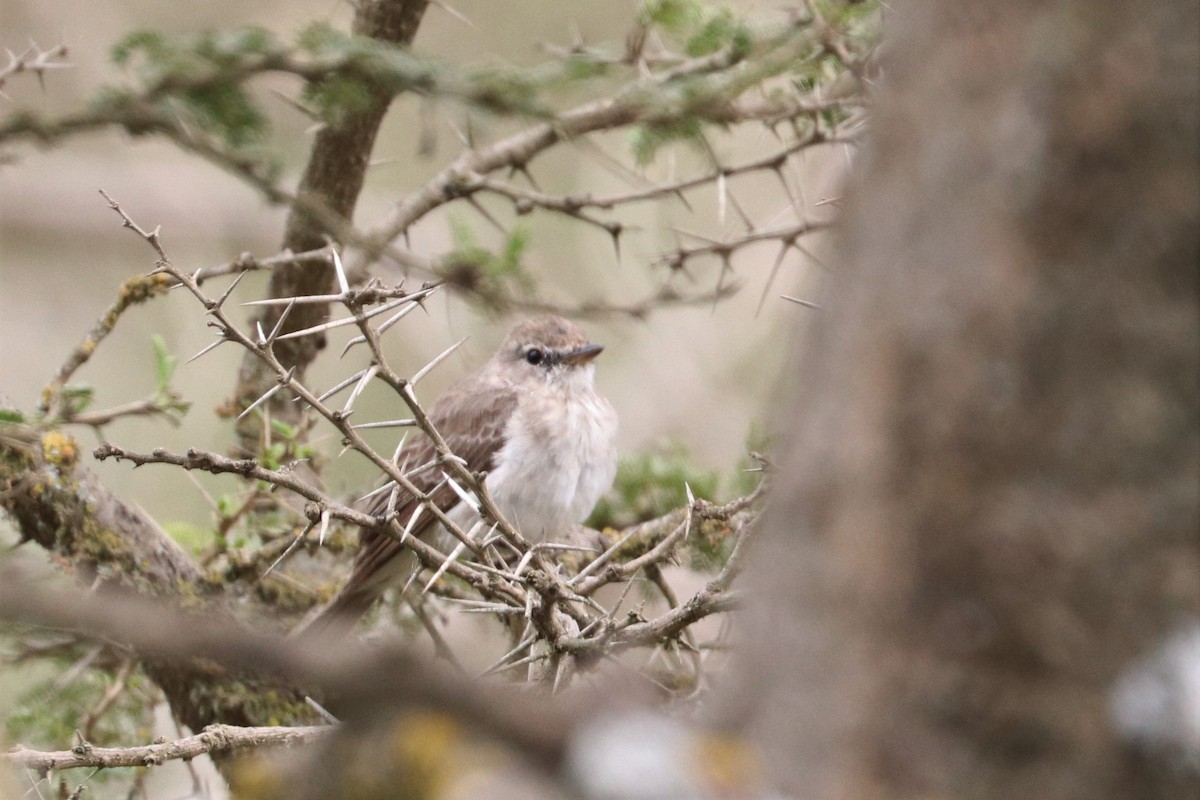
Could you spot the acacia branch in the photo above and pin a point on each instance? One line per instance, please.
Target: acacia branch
(661, 98)
(132, 292)
(213, 739)
(33, 60)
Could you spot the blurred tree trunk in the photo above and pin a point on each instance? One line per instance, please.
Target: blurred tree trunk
(989, 510)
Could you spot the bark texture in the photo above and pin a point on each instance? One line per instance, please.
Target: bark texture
(106, 544)
(989, 510)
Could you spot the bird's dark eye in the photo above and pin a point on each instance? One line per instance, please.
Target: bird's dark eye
(534, 356)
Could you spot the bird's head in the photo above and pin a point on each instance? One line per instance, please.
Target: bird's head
(548, 348)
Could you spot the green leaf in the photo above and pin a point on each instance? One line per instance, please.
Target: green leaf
(77, 397)
(319, 36)
(649, 485)
(671, 15)
(721, 29)
(650, 138)
(283, 429)
(226, 506)
(11, 415)
(193, 538)
(147, 42)
(164, 362)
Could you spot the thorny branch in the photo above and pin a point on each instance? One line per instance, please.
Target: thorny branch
(534, 583)
(33, 60)
(214, 738)
(723, 88)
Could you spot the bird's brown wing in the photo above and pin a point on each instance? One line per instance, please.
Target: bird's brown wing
(471, 417)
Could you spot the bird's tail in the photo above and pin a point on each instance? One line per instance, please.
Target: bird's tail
(338, 617)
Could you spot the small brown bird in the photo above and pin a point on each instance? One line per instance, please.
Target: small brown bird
(532, 419)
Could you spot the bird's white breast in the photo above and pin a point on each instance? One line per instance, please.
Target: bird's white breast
(559, 457)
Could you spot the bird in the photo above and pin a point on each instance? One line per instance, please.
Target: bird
(531, 419)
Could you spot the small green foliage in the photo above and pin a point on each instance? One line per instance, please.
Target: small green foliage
(493, 275)
(203, 74)
(164, 363)
(151, 44)
(702, 29)
(193, 538)
(166, 399)
(578, 68)
(322, 38)
(274, 455)
(226, 109)
(856, 18)
(226, 506)
(290, 443)
(515, 245)
(230, 47)
(366, 68)
(649, 485)
(48, 715)
(671, 15)
(648, 139)
(720, 29)
(11, 416)
(284, 430)
(76, 397)
(502, 90)
(337, 96)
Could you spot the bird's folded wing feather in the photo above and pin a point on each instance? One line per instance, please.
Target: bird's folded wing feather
(471, 418)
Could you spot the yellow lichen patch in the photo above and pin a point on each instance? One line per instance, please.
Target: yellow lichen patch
(258, 777)
(59, 449)
(425, 744)
(729, 765)
(137, 290)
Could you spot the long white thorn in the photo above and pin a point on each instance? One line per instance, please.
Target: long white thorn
(266, 396)
(371, 372)
(412, 522)
(375, 492)
(426, 369)
(340, 271)
(337, 323)
(341, 385)
(524, 562)
(325, 515)
(383, 326)
(279, 323)
(296, 543)
(463, 494)
(388, 423)
(207, 349)
(454, 554)
(399, 449)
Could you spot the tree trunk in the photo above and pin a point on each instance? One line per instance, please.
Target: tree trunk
(989, 508)
(333, 180)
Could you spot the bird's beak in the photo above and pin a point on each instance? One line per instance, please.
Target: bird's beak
(582, 355)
